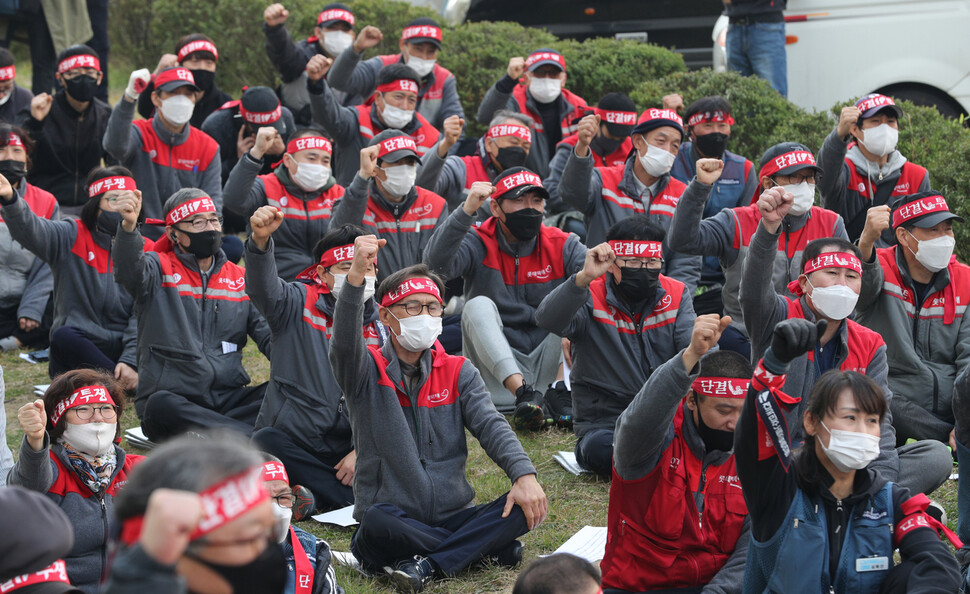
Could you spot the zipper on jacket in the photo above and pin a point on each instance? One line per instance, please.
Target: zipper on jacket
(516, 274)
(104, 525)
(700, 490)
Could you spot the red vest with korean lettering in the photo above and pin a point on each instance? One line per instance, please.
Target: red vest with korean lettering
(425, 136)
(40, 202)
(544, 264)
(819, 224)
(910, 178)
(942, 304)
(662, 205)
(321, 321)
(567, 124)
(441, 387)
(423, 214)
(663, 314)
(229, 284)
(437, 87)
(654, 540)
(194, 154)
(617, 157)
(296, 208)
(863, 342)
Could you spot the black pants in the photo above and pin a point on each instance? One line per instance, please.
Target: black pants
(167, 414)
(594, 451)
(310, 469)
(38, 338)
(72, 349)
(386, 535)
(695, 590)
(98, 13)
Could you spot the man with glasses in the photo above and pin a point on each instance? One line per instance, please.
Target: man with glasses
(193, 319)
(410, 406)
(727, 235)
(510, 262)
(624, 318)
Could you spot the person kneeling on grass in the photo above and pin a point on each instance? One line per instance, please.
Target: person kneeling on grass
(410, 404)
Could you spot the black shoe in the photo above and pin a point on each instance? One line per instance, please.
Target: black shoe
(412, 575)
(303, 504)
(558, 405)
(511, 555)
(528, 409)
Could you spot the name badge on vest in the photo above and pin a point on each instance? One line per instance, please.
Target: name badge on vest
(871, 564)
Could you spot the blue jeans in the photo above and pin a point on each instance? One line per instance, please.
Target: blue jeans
(759, 49)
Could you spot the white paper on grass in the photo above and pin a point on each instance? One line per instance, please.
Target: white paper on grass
(589, 543)
(339, 517)
(345, 559)
(28, 358)
(568, 461)
(137, 437)
(41, 389)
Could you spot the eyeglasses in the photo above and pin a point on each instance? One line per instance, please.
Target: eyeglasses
(86, 412)
(638, 263)
(414, 308)
(284, 500)
(200, 224)
(795, 179)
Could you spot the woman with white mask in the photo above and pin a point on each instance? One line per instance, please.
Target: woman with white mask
(828, 289)
(824, 508)
(70, 452)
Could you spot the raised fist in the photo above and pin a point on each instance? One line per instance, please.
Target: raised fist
(369, 37)
(709, 170)
(275, 14)
(318, 67)
(40, 106)
(516, 67)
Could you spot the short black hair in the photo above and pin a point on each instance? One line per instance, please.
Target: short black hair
(559, 573)
(6, 58)
(342, 235)
(77, 50)
(89, 213)
(704, 104)
(393, 72)
(814, 248)
(416, 271)
(638, 228)
(201, 54)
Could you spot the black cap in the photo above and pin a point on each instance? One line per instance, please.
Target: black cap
(398, 151)
(906, 213)
(423, 30)
(618, 102)
(786, 158)
(35, 532)
(516, 181)
(259, 106)
(339, 18)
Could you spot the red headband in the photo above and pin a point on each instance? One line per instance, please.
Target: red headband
(173, 74)
(396, 143)
(198, 46)
(260, 117)
(826, 260)
(79, 61)
(522, 178)
(336, 14)
(14, 139)
(918, 208)
(401, 84)
(721, 387)
(710, 116)
(8, 73)
(620, 118)
(874, 100)
(309, 142)
(80, 397)
(637, 249)
(510, 130)
(56, 572)
(543, 56)
(426, 31)
(120, 182)
(660, 114)
(411, 286)
(274, 471)
(189, 208)
(787, 160)
(343, 253)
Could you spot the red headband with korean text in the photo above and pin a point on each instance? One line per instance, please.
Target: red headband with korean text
(14, 139)
(79, 61)
(309, 142)
(189, 208)
(522, 178)
(198, 46)
(509, 130)
(917, 208)
(705, 117)
(412, 286)
(401, 84)
(826, 260)
(259, 118)
(396, 143)
(543, 56)
(637, 249)
(721, 387)
(343, 253)
(274, 471)
(619, 118)
(874, 100)
(419, 31)
(173, 74)
(118, 182)
(336, 14)
(56, 572)
(81, 397)
(787, 160)
(8, 73)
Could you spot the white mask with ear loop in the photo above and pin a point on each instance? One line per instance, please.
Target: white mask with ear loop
(934, 254)
(850, 450)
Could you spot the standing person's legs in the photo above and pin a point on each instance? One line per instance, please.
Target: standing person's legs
(42, 54)
(736, 45)
(306, 468)
(98, 13)
(766, 53)
(594, 451)
(72, 349)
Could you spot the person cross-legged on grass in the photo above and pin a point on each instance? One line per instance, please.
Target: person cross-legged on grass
(410, 403)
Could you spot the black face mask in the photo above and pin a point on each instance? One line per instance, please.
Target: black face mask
(108, 221)
(204, 79)
(14, 171)
(638, 286)
(511, 156)
(712, 145)
(714, 439)
(604, 146)
(203, 244)
(264, 574)
(81, 88)
(524, 224)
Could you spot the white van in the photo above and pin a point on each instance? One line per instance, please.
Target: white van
(908, 49)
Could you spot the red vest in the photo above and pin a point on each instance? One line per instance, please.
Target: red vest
(863, 342)
(941, 304)
(321, 321)
(441, 387)
(40, 202)
(663, 205)
(228, 285)
(423, 214)
(910, 178)
(433, 91)
(425, 136)
(194, 154)
(654, 540)
(544, 264)
(68, 482)
(819, 224)
(567, 124)
(93, 254)
(296, 208)
(617, 157)
(474, 170)
(663, 314)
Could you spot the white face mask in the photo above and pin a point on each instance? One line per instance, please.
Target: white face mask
(311, 176)
(340, 279)
(835, 302)
(396, 117)
(335, 42)
(93, 439)
(804, 194)
(934, 254)
(545, 90)
(282, 518)
(418, 333)
(880, 140)
(400, 179)
(850, 450)
(657, 161)
(420, 65)
(178, 109)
